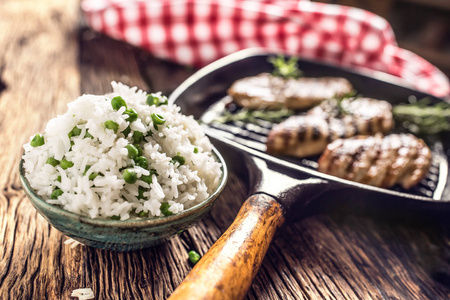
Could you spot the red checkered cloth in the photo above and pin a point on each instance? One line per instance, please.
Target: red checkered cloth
(197, 32)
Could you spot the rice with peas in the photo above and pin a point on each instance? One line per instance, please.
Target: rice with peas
(122, 155)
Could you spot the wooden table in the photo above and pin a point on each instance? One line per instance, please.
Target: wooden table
(47, 58)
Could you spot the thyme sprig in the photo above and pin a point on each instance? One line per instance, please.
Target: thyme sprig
(253, 116)
(285, 69)
(420, 117)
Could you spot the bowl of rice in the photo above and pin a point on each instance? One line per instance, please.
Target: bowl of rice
(122, 171)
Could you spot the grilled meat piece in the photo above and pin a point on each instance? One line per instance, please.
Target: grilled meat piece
(298, 136)
(306, 135)
(378, 161)
(266, 91)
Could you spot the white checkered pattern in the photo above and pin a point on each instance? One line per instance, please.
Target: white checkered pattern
(197, 32)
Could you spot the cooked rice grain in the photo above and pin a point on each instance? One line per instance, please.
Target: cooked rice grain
(108, 195)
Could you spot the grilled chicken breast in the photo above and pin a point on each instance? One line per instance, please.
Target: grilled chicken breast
(306, 135)
(378, 161)
(266, 91)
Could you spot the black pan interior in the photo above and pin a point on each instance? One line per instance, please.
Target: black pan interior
(204, 95)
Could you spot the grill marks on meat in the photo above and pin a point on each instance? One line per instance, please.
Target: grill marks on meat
(266, 91)
(306, 135)
(378, 161)
(298, 136)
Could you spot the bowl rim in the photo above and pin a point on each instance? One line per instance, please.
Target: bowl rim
(130, 223)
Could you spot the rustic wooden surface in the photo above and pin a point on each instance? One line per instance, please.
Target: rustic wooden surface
(227, 270)
(47, 58)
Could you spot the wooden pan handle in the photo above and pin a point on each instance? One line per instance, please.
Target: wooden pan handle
(227, 270)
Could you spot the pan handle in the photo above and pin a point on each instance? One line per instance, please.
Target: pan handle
(227, 270)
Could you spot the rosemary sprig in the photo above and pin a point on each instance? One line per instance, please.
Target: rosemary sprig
(422, 118)
(252, 116)
(285, 69)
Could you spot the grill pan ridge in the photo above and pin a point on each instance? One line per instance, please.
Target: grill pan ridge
(254, 135)
(204, 96)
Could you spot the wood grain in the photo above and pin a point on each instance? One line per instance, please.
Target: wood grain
(227, 270)
(48, 59)
(39, 73)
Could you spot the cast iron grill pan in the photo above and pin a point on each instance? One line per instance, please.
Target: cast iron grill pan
(204, 96)
(282, 187)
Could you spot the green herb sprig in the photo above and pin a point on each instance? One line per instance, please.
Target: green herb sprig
(285, 69)
(253, 116)
(419, 117)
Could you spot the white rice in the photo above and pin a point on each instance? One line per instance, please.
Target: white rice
(108, 195)
(83, 294)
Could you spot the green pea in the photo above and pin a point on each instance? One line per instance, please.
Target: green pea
(132, 115)
(129, 176)
(118, 102)
(142, 162)
(115, 218)
(127, 131)
(58, 179)
(178, 159)
(142, 214)
(141, 191)
(56, 193)
(152, 100)
(147, 178)
(132, 151)
(194, 257)
(155, 100)
(38, 140)
(139, 150)
(86, 169)
(52, 161)
(74, 132)
(195, 150)
(165, 209)
(88, 135)
(65, 164)
(158, 119)
(110, 124)
(93, 176)
(138, 137)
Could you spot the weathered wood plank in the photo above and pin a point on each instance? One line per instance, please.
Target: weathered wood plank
(103, 60)
(39, 73)
(326, 256)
